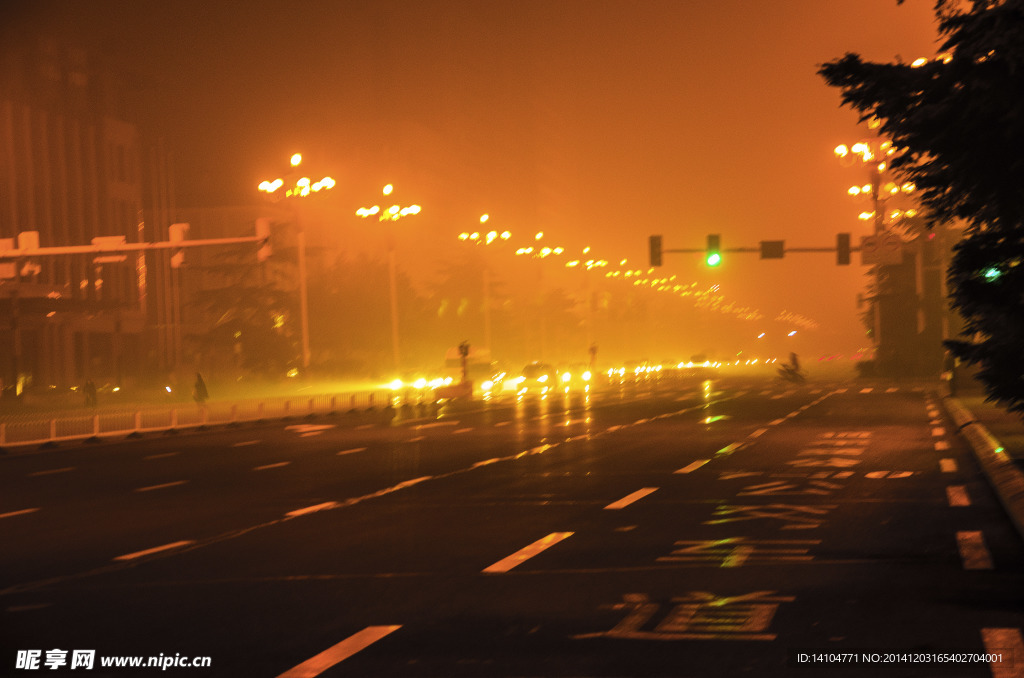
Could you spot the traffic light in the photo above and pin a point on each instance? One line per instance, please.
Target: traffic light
(713, 256)
(843, 249)
(655, 241)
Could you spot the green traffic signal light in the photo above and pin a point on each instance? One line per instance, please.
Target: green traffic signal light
(713, 255)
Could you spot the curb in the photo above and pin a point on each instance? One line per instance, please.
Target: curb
(1003, 474)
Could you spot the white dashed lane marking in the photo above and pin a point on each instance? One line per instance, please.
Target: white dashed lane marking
(948, 465)
(1008, 645)
(957, 495)
(161, 486)
(351, 451)
(51, 472)
(22, 512)
(693, 466)
(973, 552)
(631, 498)
(269, 466)
(316, 665)
(525, 553)
(941, 445)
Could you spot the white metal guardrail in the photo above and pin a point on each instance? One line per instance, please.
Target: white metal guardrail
(77, 425)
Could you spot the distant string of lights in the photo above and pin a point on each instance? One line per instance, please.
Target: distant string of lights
(703, 298)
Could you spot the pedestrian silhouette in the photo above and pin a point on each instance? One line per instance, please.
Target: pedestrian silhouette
(89, 389)
(199, 392)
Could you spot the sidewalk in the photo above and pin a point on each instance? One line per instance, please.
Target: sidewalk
(997, 438)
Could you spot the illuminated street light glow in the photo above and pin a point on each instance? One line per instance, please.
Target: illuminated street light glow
(296, 160)
(484, 218)
(388, 189)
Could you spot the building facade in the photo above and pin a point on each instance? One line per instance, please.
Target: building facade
(70, 170)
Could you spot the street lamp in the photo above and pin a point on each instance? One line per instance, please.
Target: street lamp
(393, 213)
(302, 188)
(478, 238)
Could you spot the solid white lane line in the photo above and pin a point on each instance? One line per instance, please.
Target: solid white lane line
(630, 498)
(973, 552)
(268, 466)
(333, 655)
(1009, 646)
(525, 553)
(51, 471)
(486, 462)
(352, 451)
(948, 465)
(312, 509)
(436, 424)
(157, 549)
(941, 445)
(22, 512)
(160, 487)
(162, 455)
(693, 467)
(957, 495)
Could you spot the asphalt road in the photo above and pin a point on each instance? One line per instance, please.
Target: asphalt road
(724, 528)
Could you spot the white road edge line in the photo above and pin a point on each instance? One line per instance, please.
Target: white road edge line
(630, 498)
(525, 553)
(157, 549)
(312, 509)
(316, 665)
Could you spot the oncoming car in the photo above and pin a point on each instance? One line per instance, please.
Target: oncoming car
(575, 378)
(537, 378)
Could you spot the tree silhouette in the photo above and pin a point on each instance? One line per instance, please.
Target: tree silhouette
(958, 122)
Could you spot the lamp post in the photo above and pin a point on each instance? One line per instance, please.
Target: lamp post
(393, 213)
(478, 238)
(302, 188)
(875, 155)
(542, 253)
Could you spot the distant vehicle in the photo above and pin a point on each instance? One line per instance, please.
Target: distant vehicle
(537, 378)
(575, 378)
